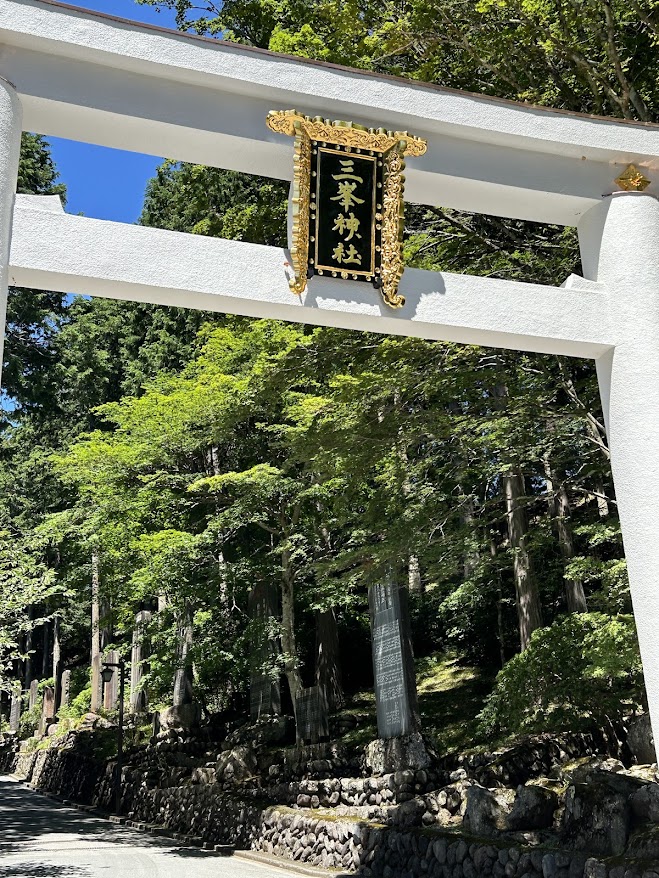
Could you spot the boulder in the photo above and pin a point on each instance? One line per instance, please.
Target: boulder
(645, 802)
(609, 772)
(641, 741)
(184, 716)
(273, 731)
(410, 813)
(94, 721)
(267, 731)
(203, 775)
(596, 818)
(644, 843)
(396, 754)
(236, 765)
(487, 811)
(533, 808)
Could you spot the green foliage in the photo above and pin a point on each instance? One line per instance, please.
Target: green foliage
(198, 456)
(218, 203)
(79, 706)
(33, 316)
(583, 670)
(25, 581)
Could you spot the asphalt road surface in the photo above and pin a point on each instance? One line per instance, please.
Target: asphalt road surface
(40, 838)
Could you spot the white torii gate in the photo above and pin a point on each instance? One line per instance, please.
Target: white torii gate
(72, 73)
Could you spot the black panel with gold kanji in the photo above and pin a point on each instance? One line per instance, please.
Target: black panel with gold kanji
(345, 213)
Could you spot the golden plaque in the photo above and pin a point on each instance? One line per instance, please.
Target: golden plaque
(347, 201)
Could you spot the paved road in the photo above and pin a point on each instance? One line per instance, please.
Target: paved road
(40, 838)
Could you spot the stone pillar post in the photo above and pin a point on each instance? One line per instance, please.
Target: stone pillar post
(183, 681)
(34, 694)
(111, 689)
(66, 687)
(11, 118)
(619, 241)
(57, 660)
(138, 696)
(97, 683)
(48, 710)
(15, 710)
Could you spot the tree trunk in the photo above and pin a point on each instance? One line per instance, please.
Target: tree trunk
(96, 634)
(471, 556)
(602, 503)
(500, 629)
(45, 658)
(414, 580)
(28, 669)
(559, 510)
(288, 644)
(105, 623)
(529, 612)
(184, 678)
(57, 661)
(328, 659)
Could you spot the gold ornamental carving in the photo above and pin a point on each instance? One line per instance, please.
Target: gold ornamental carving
(632, 180)
(300, 199)
(344, 133)
(392, 228)
(361, 240)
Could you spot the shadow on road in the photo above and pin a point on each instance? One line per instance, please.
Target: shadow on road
(37, 870)
(31, 822)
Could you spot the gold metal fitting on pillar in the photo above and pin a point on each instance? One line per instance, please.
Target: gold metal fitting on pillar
(347, 200)
(632, 180)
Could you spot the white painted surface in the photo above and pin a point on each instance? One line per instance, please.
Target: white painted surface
(10, 144)
(620, 247)
(92, 78)
(56, 251)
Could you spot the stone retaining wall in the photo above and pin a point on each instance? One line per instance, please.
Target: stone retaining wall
(325, 838)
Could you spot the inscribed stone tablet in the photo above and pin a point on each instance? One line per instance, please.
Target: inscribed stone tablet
(66, 688)
(391, 696)
(34, 693)
(15, 712)
(311, 716)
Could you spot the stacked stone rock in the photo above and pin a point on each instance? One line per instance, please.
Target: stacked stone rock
(533, 757)
(443, 823)
(8, 753)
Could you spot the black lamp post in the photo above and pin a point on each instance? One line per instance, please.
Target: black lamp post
(106, 675)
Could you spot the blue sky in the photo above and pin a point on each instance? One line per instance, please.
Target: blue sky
(108, 183)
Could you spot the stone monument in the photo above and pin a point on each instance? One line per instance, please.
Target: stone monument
(97, 683)
(66, 688)
(34, 694)
(15, 710)
(48, 709)
(265, 694)
(393, 665)
(311, 716)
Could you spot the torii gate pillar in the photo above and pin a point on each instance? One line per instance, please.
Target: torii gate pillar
(619, 241)
(11, 117)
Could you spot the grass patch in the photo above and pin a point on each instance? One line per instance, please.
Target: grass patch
(451, 695)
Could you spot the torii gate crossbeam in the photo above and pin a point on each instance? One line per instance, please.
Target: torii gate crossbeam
(90, 77)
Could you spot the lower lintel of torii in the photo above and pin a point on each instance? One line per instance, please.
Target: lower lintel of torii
(56, 251)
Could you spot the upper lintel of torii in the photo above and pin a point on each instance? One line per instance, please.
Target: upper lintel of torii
(94, 78)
